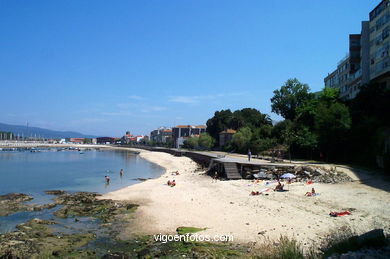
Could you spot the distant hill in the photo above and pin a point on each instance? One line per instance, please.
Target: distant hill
(43, 133)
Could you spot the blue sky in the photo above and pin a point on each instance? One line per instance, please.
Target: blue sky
(104, 67)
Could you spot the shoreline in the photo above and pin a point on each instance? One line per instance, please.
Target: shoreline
(226, 208)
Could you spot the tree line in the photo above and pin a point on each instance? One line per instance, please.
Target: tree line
(319, 126)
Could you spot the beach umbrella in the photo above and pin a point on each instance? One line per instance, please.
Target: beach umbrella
(288, 175)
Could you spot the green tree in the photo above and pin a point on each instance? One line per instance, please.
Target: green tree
(288, 137)
(322, 123)
(87, 141)
(289, 97)
(225, 119)
(205, 141)
(191, 142)
(332, 121)
(241, 139)
(219, 122)
(249, 117)
(370, 111)
(262, 144)
(168, 142)
(279, 128)
(306, 139)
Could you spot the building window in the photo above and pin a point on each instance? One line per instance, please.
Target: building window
(385, 33)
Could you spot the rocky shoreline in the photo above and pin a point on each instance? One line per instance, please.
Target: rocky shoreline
(38, 238)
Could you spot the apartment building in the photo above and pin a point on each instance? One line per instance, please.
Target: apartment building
(380, 43)
(181, 132)
(350, 73)
(368, 56)
(161, 135)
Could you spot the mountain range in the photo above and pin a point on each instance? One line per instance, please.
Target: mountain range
(40, 132)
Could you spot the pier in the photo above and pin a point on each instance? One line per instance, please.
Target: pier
(226, 165)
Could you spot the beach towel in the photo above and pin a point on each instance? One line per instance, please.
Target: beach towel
(309, 194)
(265, 190)
(338, 214)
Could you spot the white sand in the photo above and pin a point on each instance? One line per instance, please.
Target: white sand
(226, 208)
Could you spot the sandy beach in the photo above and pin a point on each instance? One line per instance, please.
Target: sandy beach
(226, 208)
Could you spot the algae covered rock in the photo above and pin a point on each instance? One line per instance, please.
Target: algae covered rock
(85, 204)
(34, 239)
(54, 192)
(13, 202)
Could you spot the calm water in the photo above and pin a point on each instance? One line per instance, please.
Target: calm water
(32, 173)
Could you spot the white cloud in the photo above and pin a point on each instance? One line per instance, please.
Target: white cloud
(153, 109)
(88, 121)
(198, 98)
(136, 97)
(118, 113)
(189, 99)
(125, 105)
(183, 99)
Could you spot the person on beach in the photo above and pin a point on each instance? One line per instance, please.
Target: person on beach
(312, 193)
(215, 177)
(121, 172)
(107, 179)
(279, 187)
(249, 155)
(171, 183)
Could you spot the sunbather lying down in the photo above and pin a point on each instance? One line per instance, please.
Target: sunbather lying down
(312, 193)
(338, 214)
(171, 183)
(255, 193)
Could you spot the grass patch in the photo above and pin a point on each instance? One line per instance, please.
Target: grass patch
(146, 247)
(188, 230)
(284, 248)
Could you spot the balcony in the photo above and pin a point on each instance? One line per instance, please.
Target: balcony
(355, 75)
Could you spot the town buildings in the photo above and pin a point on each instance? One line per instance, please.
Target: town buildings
(176, 136)
(379, 43)
(368, 55)
(182, 132)
(105, 140)
(76, 140)
(129, 138)
(161, 135)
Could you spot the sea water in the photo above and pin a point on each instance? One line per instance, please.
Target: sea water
(34, 172)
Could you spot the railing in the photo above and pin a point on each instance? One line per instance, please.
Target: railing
(343, 59)
(355, 75)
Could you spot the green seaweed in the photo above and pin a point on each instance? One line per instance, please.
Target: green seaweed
(188, 230)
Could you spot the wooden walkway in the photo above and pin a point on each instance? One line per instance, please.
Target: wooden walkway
(227, 166)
